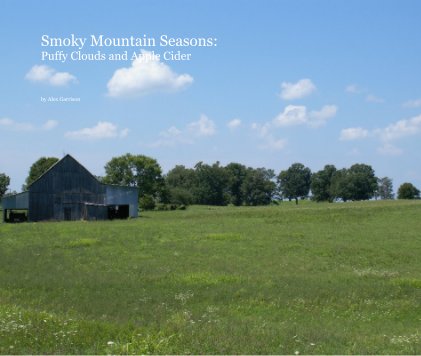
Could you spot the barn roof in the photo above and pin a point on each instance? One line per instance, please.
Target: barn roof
(67, 156)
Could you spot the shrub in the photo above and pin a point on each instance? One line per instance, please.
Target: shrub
(408, 191)
(181, 196)
(147, 202)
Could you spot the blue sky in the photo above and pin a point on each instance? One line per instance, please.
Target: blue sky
(316, 82)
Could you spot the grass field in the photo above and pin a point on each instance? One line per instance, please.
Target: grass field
(308, 279)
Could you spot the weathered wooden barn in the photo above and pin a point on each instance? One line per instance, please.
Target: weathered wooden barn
(68, 191)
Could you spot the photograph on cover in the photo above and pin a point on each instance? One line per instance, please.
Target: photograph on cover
(210, 177)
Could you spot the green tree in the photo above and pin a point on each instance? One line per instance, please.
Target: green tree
(38, 168)
(4, 183)
(321, 182)
(295, 182)
(237, 174)
(408, 191)
(258, 187)
(180, 177)
(137, 171)
(180, 196)
(211, 184)
(356, 183)
(385, 188)
(363, 182)
(340, 185)
(180, 182)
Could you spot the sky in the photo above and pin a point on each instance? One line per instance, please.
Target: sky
(278, 82)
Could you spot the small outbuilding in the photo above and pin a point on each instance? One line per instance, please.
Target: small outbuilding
(68, 191)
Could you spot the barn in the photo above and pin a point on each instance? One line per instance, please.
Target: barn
(68, 191)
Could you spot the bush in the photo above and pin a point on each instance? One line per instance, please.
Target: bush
(147, 202)
(408, 191)
(181, 196)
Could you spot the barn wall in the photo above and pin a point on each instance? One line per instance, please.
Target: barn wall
(17, 201)
(94, 212)
(118, 195)
(62, 192)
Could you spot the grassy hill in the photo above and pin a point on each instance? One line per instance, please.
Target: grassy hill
(308, 279)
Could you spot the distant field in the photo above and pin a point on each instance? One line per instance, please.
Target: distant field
(308, 279)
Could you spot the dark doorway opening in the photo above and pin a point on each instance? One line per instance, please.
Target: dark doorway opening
(67, 214)
(118, 212)
(15, 215)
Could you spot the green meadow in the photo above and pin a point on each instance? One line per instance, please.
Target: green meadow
(309, 279)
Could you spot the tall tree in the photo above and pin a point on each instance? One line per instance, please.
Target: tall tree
(340, 185)
(321, 182)
(295, 182)
(363, 181)
(211, 184)
(180, 182)
(180, 177)
(408, 191)
(137, 171)
(385, 188)
(38, 169)
(356, 183)
(4, 183)
(258, 187)
(237, 174)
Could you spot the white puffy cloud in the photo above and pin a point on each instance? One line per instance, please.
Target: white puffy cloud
(319, 118)
(262, 130)
(15, 125)
(265, 134)
(101, 130)
(292, 115)
(272, 143)
(298, 115)
(48, 75)
(40, 73)
(172, 137)
(353, 89)
(393, 132)
(412, 103)
(203, 127)
(370, 98)
(188, 135)
(388, 149)
(147, 74)
(233, 124)
(12, 125)
(123, 132)
(49, 125)
(298, 90)
(353, 133)
(171, 132)
(400, 129)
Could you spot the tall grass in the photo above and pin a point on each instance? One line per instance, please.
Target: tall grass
(308, 279)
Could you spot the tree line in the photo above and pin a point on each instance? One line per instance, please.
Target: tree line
(235, 183)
